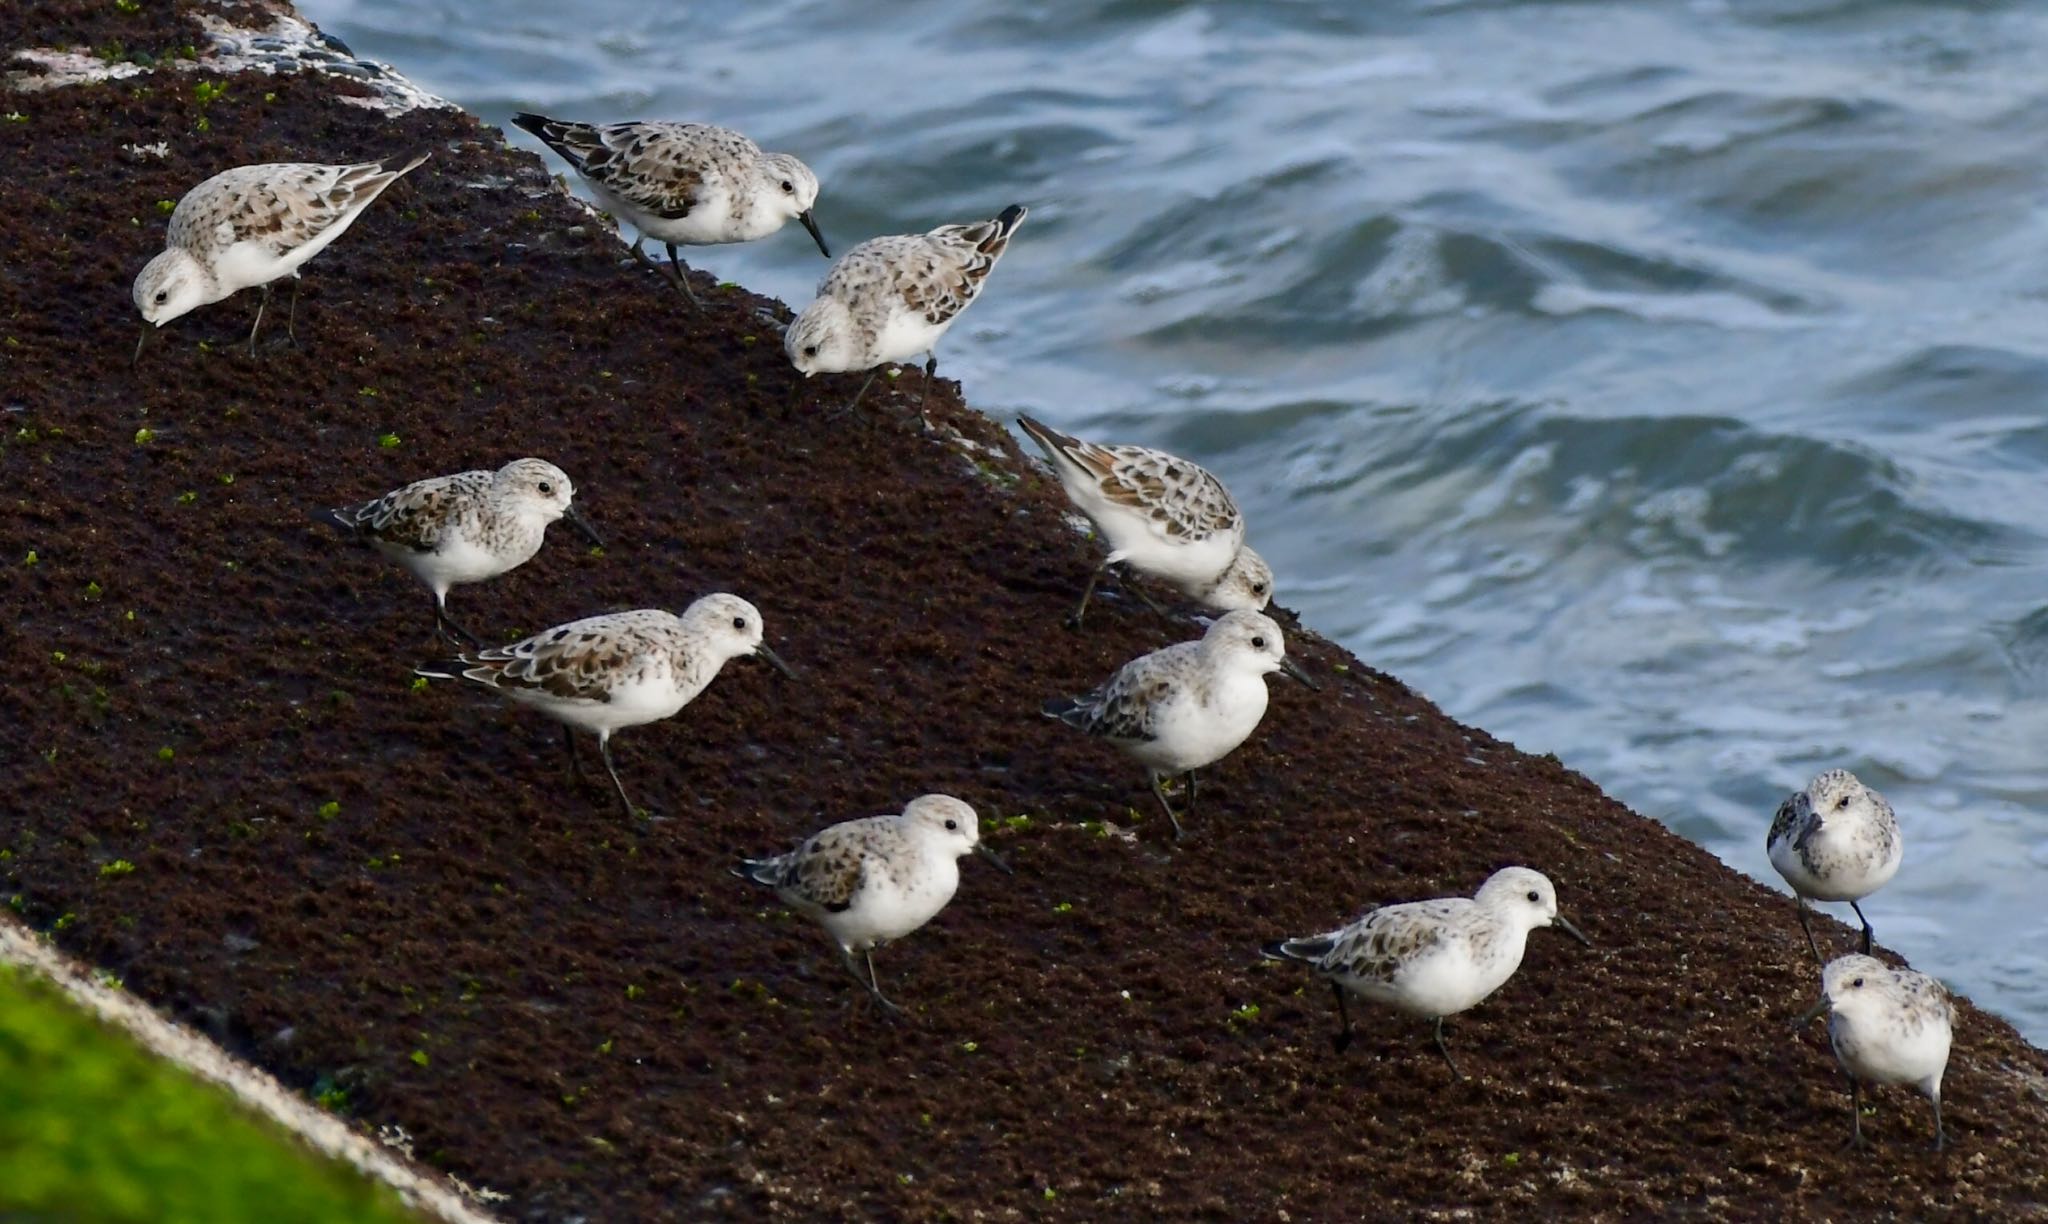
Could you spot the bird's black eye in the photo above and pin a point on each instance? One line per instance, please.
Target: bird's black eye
(789, 186)
(1258, 588)
(545, 487)
(952, 824)
(1534, 898)
(1258, 643)
(1842, 803)
(162, 296)
(810, 350)
(1858, 983)
(739, 623)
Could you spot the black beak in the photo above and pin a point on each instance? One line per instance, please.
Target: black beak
(1571, 930)
(1812, 1012)
(811, 224)
(774, 659)
(1294, 672)
(582, 524)
(139, 342)
(990, 855)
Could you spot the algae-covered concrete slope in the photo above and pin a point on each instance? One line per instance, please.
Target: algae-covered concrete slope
(398, 898)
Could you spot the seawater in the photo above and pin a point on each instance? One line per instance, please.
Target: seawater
(1660, 384)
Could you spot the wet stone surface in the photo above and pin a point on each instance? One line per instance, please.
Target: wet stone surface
(397, 897)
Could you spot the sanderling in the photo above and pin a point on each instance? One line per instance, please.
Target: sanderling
(454, 530)
(1432, 959)
(251, 225)
(1163, 516)
(1188, 705)
(1888, 1026)
(684, 184)
(603, 673)
(1837, 840)
(891, 298)
(871, 881)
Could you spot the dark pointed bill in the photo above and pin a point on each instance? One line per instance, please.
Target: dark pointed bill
(1573, 931)
(811, 224)
(774, 659)
(1294, 672)
(582, 524)
(983, 850)
(139, 342)
(1812, 1013)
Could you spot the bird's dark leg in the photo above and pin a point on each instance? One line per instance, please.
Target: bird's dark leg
(855, 402)
(291, 318)
(1807, 926)
(682, 278)
(1189, 810)
(1445, 1050)
(1139, 593)
(1087, 592)
(604, 749)
(1855, 1113)
(1858, 907)
(575, 762)
(1341, 1039)
(1940, 1135)
(445, 625)
(1159, 789)
(867, 981)
(260, 304)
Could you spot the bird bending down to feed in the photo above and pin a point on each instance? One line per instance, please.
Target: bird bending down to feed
(892, 298)
(683, 184)
(251, 225)
(1163, 516)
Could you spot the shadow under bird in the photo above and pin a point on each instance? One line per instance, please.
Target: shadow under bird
(250, 226)
(892, 298)
(1835, 840)
(869, 882)
(454, 530)
(1431, 959)
(1162, 516)
(683, 184)
(1189, 705)
(605, 673)
(1887, 1026)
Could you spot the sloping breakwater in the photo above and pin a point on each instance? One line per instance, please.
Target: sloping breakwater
(395, 900)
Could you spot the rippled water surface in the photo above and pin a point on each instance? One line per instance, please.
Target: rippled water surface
(1660, 384)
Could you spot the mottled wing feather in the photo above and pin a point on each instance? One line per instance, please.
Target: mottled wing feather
(281, 207)
(1128, 705)
(418, 515)
(1182, 499)
(1783, 823)
(1374, 948)
(664, 169)
(828, 870)
(575, 662)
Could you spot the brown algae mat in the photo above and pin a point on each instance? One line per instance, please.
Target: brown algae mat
(224, 785)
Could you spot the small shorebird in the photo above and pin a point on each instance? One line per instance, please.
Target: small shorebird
(604, 673)
(1188, 705)
(1162, 516)
(1887, 1026)
(891, 298)
(454, 530)
(1431, 959)
(870, 882)
(684, 184)
(251, 225)
(1836, 840)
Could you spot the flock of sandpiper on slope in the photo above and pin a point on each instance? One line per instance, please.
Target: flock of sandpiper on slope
(1175, 710)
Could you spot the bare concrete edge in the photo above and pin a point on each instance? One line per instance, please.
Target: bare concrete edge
(431, 1193)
